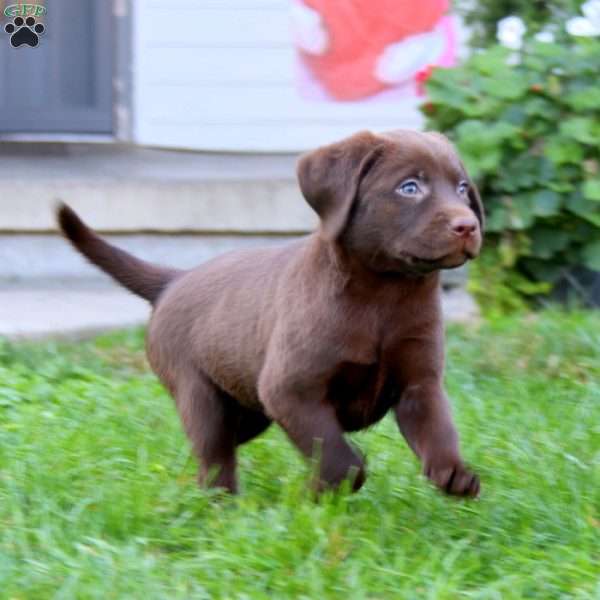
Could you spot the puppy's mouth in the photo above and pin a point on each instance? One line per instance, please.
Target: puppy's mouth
(455, 256)
(450, 260)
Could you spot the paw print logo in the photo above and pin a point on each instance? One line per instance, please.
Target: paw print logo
(24, 31)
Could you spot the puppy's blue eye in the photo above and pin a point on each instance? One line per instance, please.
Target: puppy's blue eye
(463, 188)
(410, 187)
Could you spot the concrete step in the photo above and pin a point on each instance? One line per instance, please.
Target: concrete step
(129, 189)
(49, 258)
(34, 313)
(76, 312)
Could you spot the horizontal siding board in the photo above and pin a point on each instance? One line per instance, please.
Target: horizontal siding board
(257, 103)
(218, 27)
(176, 68)
(251, 137)
(181, 5)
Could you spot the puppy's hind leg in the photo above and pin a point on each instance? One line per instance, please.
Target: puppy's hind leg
(209, 419)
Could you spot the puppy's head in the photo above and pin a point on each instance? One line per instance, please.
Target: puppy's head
(399, 202)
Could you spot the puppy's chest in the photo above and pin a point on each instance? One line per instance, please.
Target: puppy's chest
(367, 384)
(362, 394)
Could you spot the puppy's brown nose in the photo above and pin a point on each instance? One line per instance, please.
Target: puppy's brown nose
(464, 226)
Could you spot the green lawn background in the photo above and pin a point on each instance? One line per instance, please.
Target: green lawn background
(98, 496)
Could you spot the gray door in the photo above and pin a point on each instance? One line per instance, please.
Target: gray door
(64, 84)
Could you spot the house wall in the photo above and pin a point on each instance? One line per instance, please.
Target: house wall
(221, 75)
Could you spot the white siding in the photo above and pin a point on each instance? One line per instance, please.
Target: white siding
(219, 75)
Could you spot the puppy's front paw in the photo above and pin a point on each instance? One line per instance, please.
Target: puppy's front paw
(454, 479)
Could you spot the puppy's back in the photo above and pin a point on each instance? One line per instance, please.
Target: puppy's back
(218, 317)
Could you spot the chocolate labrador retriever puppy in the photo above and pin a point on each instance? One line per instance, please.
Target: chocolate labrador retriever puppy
(328, 333)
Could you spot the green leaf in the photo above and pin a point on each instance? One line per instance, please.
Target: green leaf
(491, 61)
(545, 203)
(591, 190)
(581, 207)
(482, 106)
(581, 129)
(454, 88)
(584, 231)
(541, 107)
(543, 269)
(497, 220)
(546, 241)
(515, 115)
(591, 256)
(561, 150)
(545, 50)
(479, 144)
(527, 170)
(584, 99)
(554, 86)
(508, 85)
(521, 211)
(508, 252)
(561, 186)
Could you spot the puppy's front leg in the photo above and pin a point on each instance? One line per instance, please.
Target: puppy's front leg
(423, 415)
(312, 425)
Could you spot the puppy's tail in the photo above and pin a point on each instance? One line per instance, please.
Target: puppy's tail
(142, 278)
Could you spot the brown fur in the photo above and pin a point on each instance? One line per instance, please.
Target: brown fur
(329, 333)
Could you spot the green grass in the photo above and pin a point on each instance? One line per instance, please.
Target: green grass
(98, 496)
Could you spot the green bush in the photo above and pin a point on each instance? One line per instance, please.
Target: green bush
(482, 16)
(529, 133)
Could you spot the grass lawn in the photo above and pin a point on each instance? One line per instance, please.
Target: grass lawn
(98, 496)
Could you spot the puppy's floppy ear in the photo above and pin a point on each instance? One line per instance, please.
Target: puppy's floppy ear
(476, 204)
(330, 176)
